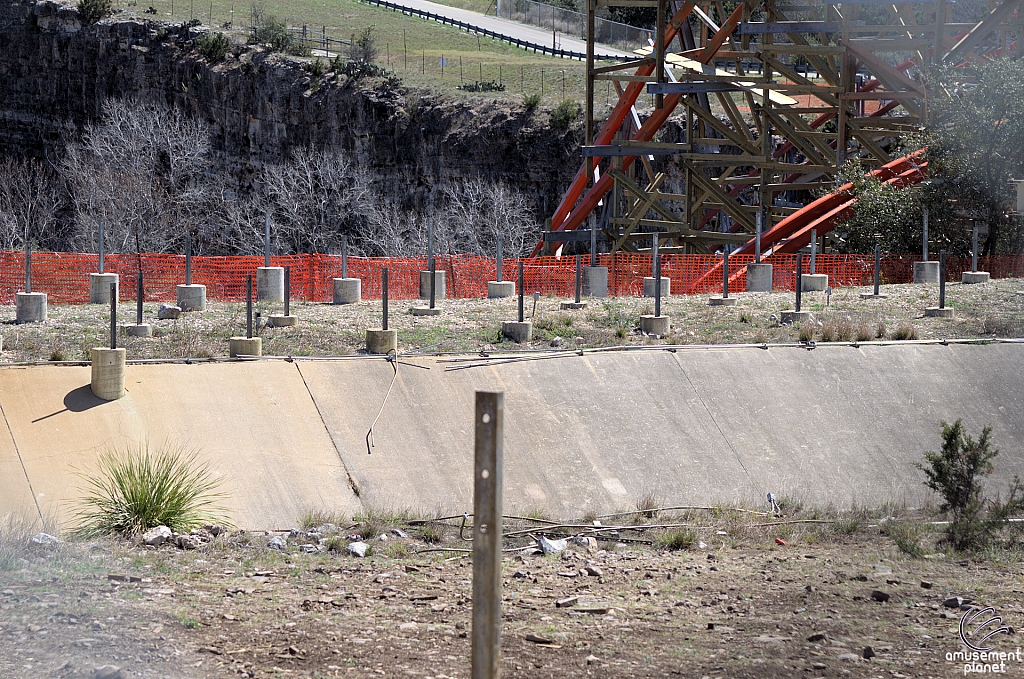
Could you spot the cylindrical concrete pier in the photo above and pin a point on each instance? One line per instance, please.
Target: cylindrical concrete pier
(499, 289)
(245, 346)
(270, 284)
(348, 290)
(30, 307)
(99, 287)
(926, 272)
(666, 286)
(813, 282)
(595, 281)
(759, 277)
(381, 341)
(192, 297)
(108, 373)
(517, 331)
(654, 325)
(439, 286)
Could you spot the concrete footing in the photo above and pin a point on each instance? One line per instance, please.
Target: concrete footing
(595, 281)
(572, 305)
(926, 272)
(722, 301)
(108, 373)
(283, 321)
(666, 286)
(348, 290)
(381, 341)
(140, 330)
(871, 295)
(99, 287)
(795, 316)
(245, 346)
(936, 312)
(439, 287)
(516, 331)
(813, 282)
(191, 297)
(270, 284)
(425, 311)
(973, 277)
(759, 278)
(499, 289)
(654, 325)
(31, 307)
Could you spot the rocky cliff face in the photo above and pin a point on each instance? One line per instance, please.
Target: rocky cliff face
(55, 75)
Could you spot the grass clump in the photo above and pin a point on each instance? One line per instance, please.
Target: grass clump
(955, 474)
(676, 539)
(806, 332)
(531, 102)
(316, 518)
(136, 489)
(647, 504)
(433, 533)
(905, 331)
(907, 537)
(864, 333)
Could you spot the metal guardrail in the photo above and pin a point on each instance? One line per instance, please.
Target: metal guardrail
(623, 36)
(523, 44)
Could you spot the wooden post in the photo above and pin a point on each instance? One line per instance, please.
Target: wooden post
(487, 488)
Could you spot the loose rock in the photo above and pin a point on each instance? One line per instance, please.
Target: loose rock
(44, 540)
(108, 672)
(156, 536)
(278, 542)
(879, 595)
(551, 546)
(168, 312)
(357, 549)
(868, 653)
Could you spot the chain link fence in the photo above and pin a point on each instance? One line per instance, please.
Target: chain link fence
(559, 20)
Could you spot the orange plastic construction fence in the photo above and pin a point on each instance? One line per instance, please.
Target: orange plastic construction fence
(64, 276)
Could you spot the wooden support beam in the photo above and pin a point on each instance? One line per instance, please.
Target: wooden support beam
(983, 28)
(759, 27)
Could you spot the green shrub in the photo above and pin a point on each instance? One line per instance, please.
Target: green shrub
(213, 46)
(271, 32)
(136, 489)
(316, 68)
(531, 101)
(91, 11)
(675, 539)
(565, 114)
(955, 473)
(907, 537)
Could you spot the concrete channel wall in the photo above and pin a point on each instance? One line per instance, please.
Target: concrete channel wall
(833, 425)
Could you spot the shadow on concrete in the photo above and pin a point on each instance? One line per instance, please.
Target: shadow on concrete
(77, 401)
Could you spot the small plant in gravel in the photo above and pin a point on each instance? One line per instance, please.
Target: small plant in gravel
(676, 539)
(433, 533)
(647, 504)
(955, 473)
(806, 332)
(880, 330)
(136, 489)
(907, 537)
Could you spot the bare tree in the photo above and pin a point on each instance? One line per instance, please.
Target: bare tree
(30, 201)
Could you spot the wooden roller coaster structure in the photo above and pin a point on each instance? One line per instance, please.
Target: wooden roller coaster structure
(754, 128)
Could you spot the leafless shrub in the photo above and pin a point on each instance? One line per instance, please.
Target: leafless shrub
(30, 201)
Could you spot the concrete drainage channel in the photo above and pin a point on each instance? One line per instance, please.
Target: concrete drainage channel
(585, 430)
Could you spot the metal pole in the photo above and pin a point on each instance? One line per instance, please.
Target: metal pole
(499, 257)
(974, 247)
(799, 275)
(433, 281)
(384, 296)
(814, 248)
(924, 238)
(344, 256)
(593, 242)
(248, 306)
(878, 266)
(725, 273)
(139, 296)
(28, 264)
(101, 244)
(520, 291)
(942, 279)
(266, 242)
(113, 315)
(757, 238)
(579, 279)
(487, 489)
(430, 243)
(287, 290)
(188, 258)
(657, 279)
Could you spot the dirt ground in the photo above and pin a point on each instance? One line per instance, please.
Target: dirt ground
(737, 603)
(471, 325)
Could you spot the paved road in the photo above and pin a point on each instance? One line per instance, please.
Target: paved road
(512, 29)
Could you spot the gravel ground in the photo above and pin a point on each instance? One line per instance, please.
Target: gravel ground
(755, 597)
(470, 325)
